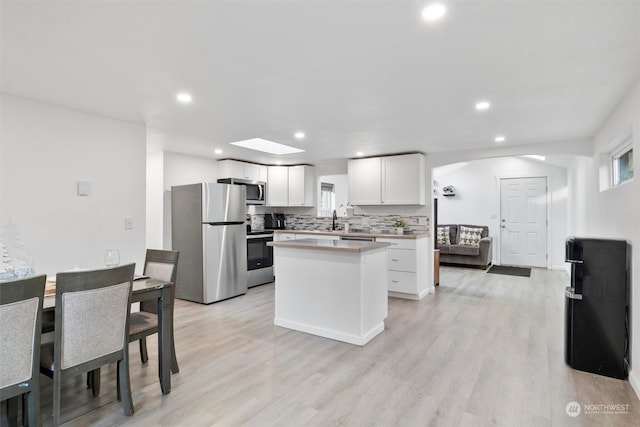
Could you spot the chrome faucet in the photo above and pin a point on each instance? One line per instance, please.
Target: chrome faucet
(335, 217)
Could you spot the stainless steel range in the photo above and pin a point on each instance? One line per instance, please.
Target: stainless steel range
(259, 258)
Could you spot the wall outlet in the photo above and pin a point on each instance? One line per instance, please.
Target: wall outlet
(128, 223)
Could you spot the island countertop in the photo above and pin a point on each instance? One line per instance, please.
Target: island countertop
(330, 245)
(342, 233)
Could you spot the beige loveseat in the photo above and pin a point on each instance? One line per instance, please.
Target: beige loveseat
(467, 245)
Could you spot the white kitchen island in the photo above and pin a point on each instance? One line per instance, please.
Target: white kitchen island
(334, 289)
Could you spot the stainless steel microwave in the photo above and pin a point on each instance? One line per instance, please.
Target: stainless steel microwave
(256, 190)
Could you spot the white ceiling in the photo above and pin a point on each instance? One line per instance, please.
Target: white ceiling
(365, 76)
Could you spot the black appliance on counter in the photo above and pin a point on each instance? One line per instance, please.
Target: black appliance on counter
(259, 258)
(597, 306)
(274, 221)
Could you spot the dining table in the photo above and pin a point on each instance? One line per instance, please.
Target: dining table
(144, 288)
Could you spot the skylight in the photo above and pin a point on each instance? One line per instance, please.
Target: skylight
(265, 146)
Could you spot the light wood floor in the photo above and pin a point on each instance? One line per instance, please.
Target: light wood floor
(484, 350)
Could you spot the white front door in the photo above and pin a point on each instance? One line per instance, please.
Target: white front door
(523, 221)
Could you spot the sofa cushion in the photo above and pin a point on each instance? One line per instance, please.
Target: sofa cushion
(485, 229)
(442, 235)
(444, 249)
(464, 250)
(470, 236)
(453, 232)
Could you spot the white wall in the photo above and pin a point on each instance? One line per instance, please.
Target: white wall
(155, 200)
(340, 190)
(615, 212)
(167, 169)
(477, 199)
(46, 150)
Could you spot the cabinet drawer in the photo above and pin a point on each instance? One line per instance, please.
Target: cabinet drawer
(398, 243)
(401, 281)
(401, 260)
(285, 236)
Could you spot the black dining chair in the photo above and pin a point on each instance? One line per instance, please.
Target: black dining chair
(91, 329)
(20, 333)
(163, 265)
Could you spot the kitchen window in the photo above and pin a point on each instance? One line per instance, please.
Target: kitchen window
(622, 163)
(327, 199)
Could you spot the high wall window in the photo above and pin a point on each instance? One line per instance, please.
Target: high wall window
(622, 163)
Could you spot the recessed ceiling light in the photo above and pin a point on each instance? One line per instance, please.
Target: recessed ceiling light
(217, 151)
(299, 135)
(183, 97)
(500, 138)
(270, 147)
(483, 105)
(359, 154)
(433, 12)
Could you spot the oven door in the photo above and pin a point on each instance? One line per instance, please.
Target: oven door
(259, 255)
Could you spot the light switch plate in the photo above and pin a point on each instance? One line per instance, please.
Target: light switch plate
(128, 223)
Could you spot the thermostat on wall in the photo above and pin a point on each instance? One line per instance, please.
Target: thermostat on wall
(84, 188)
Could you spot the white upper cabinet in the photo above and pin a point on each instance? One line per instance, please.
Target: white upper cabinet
(278, 186)
(291, 186)
(241, 170)
(390, 180)
(301, 185)
(365, 177)
(403, 180)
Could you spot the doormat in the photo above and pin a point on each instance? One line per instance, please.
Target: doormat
(510, 271)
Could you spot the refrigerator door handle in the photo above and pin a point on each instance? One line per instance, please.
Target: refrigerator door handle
(574, 261)
(570, 293)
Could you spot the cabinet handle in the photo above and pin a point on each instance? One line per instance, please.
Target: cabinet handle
(394, 260)
(394, 281)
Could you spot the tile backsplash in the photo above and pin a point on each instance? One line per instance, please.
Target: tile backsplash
(373, 223)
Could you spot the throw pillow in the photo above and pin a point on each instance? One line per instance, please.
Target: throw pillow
(442, 236)
(470, 236)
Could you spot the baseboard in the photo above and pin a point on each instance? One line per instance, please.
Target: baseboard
(635, 383)
(332, 334)
(415, 297)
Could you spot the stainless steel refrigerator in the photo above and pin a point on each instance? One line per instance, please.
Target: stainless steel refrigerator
(208, 228)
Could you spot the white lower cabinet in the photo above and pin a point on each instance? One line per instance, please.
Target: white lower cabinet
(402, 281)
(402, 259)
(407, 263)
(278, 237)
(408, 267)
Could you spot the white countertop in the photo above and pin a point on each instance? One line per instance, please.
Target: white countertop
(330, 245)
